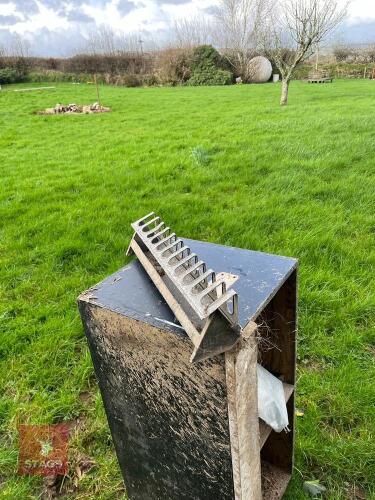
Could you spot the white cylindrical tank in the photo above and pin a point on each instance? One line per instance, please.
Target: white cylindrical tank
(259, 70)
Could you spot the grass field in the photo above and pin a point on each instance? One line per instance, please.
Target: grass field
(296, 181)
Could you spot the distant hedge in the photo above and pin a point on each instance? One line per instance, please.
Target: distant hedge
(202, 65)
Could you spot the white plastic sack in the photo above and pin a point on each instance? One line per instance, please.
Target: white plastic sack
(271, 400)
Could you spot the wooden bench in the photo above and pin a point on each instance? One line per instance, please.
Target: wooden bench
(319, 77)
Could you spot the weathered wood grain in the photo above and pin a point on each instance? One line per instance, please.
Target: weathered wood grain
(243, 416)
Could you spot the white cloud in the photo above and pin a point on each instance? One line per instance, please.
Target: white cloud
(145, 14)
(66, 17)
(45, 18)
(7, 9)
(361, 11)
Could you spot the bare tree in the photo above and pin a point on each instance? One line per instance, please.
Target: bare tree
(15, 55)
(193, 32)
(238, 24)
(294, 30)
(102, 40)
(131, 42)
(19, 47)
(106, 41)
(342, 52)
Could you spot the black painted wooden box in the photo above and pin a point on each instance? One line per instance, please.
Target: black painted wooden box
(191, 431)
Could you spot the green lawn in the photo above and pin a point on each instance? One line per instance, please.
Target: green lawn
(296, 181)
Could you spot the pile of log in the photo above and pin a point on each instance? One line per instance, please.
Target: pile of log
(75, 108)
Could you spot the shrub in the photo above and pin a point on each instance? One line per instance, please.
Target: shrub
(9, 75)
(342, 53)
(211, 76)
(206, 56)
(302, 72)
(207, 67)
(150, 80)
(371, 54)
(173, 66)
(114, 64)
(237, 61)
(131, 81)
(48, 76)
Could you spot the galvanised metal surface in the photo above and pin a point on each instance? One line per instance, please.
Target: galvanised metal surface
(199, 286)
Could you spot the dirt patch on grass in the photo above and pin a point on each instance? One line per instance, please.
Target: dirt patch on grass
(62, 486)
(354, 492)
(80, 465)
(85, 397)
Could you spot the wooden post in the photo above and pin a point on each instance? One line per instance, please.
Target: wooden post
(242, 393)
(97, 89)
(317, 58)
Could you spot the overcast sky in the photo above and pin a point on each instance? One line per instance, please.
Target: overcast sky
(60, 27)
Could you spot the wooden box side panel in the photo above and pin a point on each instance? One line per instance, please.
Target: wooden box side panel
(278, 354)
(168, 418)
